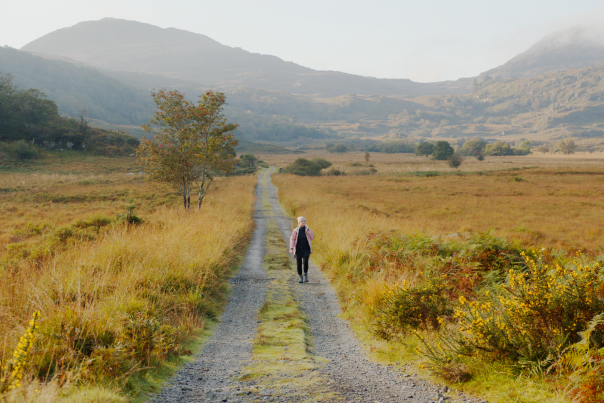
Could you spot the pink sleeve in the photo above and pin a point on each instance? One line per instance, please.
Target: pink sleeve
(310, 235)
(292, 240)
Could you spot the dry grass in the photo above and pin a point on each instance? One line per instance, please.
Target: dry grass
(558, 204)
(169, 272)
(550, 207)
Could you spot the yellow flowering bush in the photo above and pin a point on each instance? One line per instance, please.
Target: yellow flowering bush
(530, 317)
(14, 368)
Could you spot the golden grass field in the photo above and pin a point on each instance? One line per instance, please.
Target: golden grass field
(542, 201)
(97, 293)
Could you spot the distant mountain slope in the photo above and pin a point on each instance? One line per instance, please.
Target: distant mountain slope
(117, 44)
(74, 88)
(563, 50)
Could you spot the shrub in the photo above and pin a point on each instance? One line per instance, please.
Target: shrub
(499, 148)
(19, 150)
(401, 309)
(248, 160)
(335, 172)
(455, 161)
(442, 151)
(303, 167)
(128, 216)
(533, 314)
(322, 162)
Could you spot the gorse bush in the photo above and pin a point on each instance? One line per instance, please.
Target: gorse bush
(520, 331)
(534, 313)
(405, 308)
(15, 366)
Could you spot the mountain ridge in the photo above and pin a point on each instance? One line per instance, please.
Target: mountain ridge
(133, 46)
(567, 49)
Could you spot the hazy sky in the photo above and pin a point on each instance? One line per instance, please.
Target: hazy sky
(424, 40)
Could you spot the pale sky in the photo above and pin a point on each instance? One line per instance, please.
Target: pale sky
(424, 40)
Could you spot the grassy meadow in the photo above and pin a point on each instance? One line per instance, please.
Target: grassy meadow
(440, 269)
(118, 303)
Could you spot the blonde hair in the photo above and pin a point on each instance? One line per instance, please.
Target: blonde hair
(301, 218)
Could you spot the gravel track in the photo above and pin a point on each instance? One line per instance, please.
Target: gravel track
(350, 373)
(210, 377)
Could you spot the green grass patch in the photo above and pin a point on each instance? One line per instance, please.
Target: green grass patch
(282, 363)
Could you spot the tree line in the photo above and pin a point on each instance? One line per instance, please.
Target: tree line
(27, 116)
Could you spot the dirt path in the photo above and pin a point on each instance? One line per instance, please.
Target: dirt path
(210, 377)
(341, 369)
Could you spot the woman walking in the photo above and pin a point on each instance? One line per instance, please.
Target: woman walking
(300, 244)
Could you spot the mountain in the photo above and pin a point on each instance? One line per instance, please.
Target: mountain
(73, 88)
(117, 44)
(567, 49)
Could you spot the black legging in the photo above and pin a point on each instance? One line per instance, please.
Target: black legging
(299, 261)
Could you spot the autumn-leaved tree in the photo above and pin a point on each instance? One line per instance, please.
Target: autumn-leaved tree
(193, 142)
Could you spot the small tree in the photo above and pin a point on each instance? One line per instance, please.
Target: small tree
(543, 149)
(566, 147)
(498, 148)
(525, 146)
(83, 122)
(194, 143)
(367, 156)
(443, 151)
(248, 160)
(473, 147)
(425, 149)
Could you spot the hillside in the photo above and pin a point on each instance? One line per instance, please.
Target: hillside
(125, 103)
(567, 49)
(117, 44)
(543, 109)
(74, 88)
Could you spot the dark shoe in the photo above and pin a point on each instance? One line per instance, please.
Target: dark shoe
(306, 278)
(301, 279)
